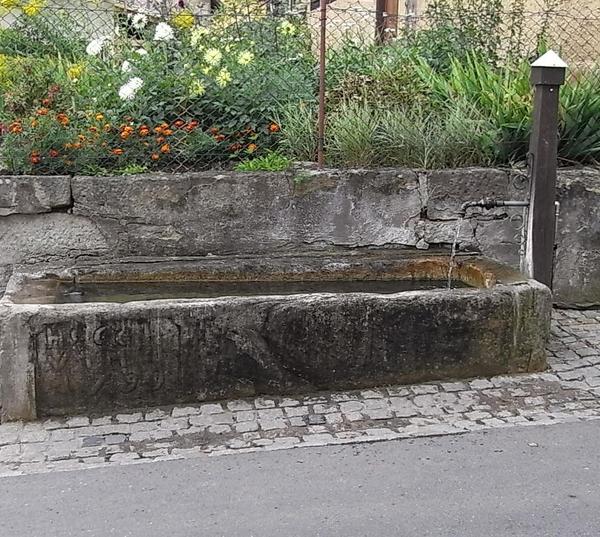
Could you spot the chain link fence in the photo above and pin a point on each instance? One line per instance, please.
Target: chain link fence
(102, 87)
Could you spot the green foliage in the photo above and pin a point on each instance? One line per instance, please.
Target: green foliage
(580, 120)
(243, 88)
(501, 94)
(460, 27)
(456, 136)
(269, 162)
(298, 131)
(373, 74)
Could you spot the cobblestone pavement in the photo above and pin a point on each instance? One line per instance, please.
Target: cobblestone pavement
(568, 391)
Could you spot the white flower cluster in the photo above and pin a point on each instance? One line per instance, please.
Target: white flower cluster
(96, 46)
(163, 32)
(128, 91)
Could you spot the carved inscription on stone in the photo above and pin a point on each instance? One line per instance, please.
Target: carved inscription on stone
(106, 362)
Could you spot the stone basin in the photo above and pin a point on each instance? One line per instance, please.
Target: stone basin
(111, 337)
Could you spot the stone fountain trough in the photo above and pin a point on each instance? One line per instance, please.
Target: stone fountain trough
(111, 337)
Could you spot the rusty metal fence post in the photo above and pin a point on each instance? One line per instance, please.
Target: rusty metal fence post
(547, 75)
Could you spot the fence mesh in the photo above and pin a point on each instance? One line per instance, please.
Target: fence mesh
(99, 87)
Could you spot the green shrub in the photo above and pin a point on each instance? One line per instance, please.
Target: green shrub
(269, 162)
(374, 74)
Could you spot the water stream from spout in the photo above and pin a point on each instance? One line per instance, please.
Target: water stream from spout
(452, 263)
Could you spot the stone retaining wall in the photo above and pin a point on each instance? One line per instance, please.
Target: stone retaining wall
(59, 221)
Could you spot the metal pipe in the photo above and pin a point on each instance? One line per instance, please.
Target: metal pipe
(488, 203)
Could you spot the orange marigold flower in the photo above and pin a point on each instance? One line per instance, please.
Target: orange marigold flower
(166, 148)
(15, 128)
(93, 130)
(107, 128)
(46, 102)
(167, 132)
(192, 125)
(235, 147)
(82, 138)
(117, 151)
(35, 158)
(125, 135)
(99, 117)
(179, 123)
(273, 127)
(53, 153)
(161, 140)
(63, 119)
(77, 145)
(251, 148)
(144, 130)
(34, 123)
(219, 137)
(42, 112)
(155, 156)
(213, 130)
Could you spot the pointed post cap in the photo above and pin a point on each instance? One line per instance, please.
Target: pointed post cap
(548, 70)
(550, 59)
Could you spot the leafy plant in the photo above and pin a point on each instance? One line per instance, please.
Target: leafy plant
(269, 162)
(503, 95)
(298, 131)
(580, 120)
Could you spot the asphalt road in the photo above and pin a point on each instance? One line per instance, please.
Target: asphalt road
(533, 481)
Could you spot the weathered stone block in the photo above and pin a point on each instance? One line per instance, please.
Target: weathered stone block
(48, 237)
(191, 214)
(357, 208)
(32, 194)
(577, 261)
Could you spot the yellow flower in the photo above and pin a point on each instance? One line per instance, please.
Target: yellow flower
(213, 56)
(197, 89)
(33, 7)
(287, 28)
(246, 57)
(197, 35)
(75, 71)
(184, 20)
(9, 4)
(223, 78)
(206, 70)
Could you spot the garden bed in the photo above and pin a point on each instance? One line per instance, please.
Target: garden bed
(183, 92)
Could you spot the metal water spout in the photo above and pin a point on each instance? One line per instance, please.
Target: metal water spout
(489, 203)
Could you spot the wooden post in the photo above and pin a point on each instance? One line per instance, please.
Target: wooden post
(380, 21)
(547, 75)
